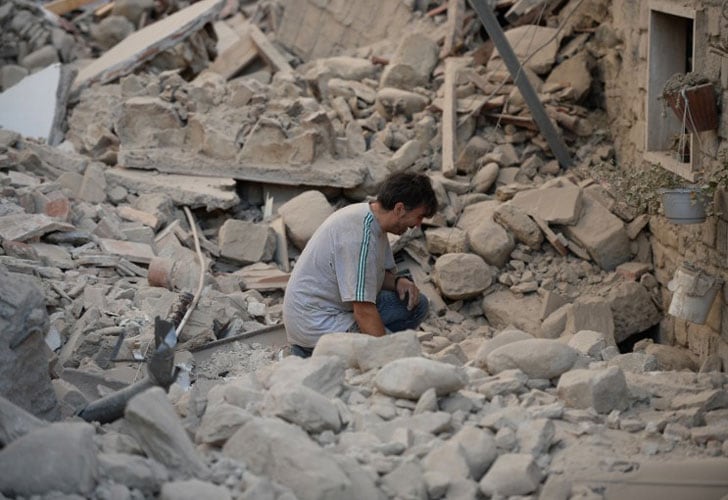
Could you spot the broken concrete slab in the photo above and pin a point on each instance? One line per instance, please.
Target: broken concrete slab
(555, 205)
(602, 234)
(36, 106)
(23, 227)
(146, 43)
(135, 252)
(345, 173)
(193, 191)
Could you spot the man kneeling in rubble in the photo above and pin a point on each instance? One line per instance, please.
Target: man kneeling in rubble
(345, 281)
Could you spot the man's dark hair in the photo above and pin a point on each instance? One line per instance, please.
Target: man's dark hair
(412, 189)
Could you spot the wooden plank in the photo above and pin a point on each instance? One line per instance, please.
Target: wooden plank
(449, 117)
(236, 57)
(60, 7)
(281, 244)
(267, 51)
(519, 121)
(104, 10)
(454, 33)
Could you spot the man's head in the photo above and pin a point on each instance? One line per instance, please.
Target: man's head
(414, 190)
(408, 197)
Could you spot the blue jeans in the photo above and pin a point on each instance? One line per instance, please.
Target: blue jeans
(394, 313)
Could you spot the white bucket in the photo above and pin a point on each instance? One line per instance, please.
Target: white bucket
(693, 294)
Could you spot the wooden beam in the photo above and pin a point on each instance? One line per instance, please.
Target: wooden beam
(267, 51)
(60, 7)
(454, 34)
(449, 117)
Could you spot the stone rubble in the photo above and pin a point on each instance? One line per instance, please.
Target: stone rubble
(523, 382)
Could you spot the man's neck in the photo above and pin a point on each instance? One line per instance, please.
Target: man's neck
(380, 213)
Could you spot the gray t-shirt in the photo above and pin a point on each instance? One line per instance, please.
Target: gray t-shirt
(343, 262)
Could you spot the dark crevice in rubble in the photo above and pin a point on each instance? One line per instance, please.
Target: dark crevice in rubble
(651, 334)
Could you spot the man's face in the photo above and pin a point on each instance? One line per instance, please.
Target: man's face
(406, 219)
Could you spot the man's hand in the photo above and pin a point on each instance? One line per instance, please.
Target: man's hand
(407, 290)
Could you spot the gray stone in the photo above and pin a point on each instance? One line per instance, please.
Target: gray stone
(111, 30)
(537, 358)
(448, 459)
(511, 474)
(193, 489)
(485, 177)
(302, 406)
(574, 73)
(15, 422)
(638, 362)
(133, 471)
(478, 447)
(132, 9)
(41, 58)
(377, 352)
(148, 122)
(154, 423)
(633, 310)
(461, 275)
(412, 64)
(589, 342)
(406, 155)
(10, 74)
(24, 378)
(536, 436)
(409, 378)
(499, 339)
(93, 186)
(308, 469)
(603, 390)
(506, 310)
(246, 242)
(441, 240)
(590, 313)
(303, 214)
(67, 463)
(520, 224)
(474, 149)
(342, 345)
(219, 422)
(324, 374)
(392, 102)
(406, 481)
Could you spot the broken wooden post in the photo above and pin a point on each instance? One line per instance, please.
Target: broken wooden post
(450, 117)
(556, 143)
(455, 15)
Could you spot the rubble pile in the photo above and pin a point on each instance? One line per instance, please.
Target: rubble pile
(32, 41)
(536, 373)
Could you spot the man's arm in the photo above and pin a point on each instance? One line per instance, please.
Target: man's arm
(368, 318)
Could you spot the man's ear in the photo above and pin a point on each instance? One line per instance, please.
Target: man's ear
(399, 209)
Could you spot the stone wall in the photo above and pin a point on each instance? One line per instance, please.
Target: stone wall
(624, 65)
